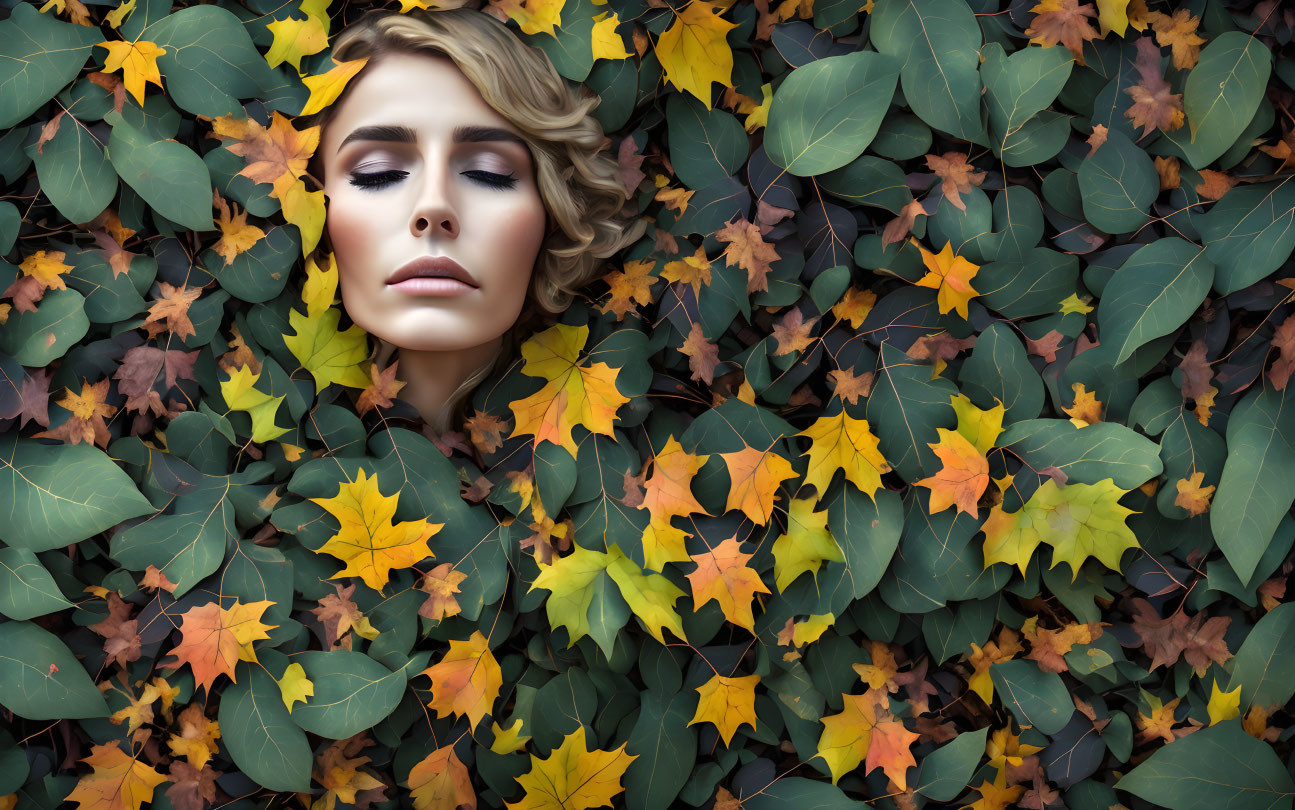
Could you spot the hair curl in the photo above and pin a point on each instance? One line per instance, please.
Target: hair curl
(577, 176)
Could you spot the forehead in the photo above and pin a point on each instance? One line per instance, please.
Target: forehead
(422, 91)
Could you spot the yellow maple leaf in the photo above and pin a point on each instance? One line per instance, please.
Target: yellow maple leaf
(305, 209)
(847, 735)
(196, 741)
(979, 427)
(118, 15)
(368, 541)
(240, 395)
(950, 276)
(118, 782)
(1004, 648)
(140, 710)
(137, 62)
(694, 50)
(509, 740)
(295, 686)
(805, 546)
(1074, 304)
(841, 442)
(727, 703)
(573, 777)
(1004, 749)
(1223, 706)
(47, 267)
(236, 235)
(693, 270)
(294, 39)
(466, 682)
(650, 596)
(754, 476)
(573, 395)
(533, 16)
(326, 87)
(1113, 15)
(607, 44)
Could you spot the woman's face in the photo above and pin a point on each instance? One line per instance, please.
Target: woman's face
(418, 166)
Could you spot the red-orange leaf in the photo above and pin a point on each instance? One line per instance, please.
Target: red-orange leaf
(963, 478)
(466, 681)
(723, 575)
(215, 639)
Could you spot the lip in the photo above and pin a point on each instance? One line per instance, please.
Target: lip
(433, 267)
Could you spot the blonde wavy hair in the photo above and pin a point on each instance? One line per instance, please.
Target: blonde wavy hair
(577, 176)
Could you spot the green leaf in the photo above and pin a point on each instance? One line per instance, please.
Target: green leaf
(805, 794)
(666, 749)
(187, 543)
(210, 61)
(1020, 86)
(1153, 293)
(1118, 183)
(948, 769)
(826, 113)
(938, 45)
(869, 180)
(259, 733)
(352, 693)
(39, 55)
(706, 145)
(868, 533)
(26, 588)
(36, 339)
(167, 174)
(259, 273)
(999, 370)
(75, 173)
(1249, 233)
(40, 678)
(908, 407)
(1221, 95)
(60, 494)
(1264, 667)
(1037, 698)
(1256, 489)
(1088, 454)
(1217, 766)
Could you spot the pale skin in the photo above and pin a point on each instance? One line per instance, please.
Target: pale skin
(455, 184)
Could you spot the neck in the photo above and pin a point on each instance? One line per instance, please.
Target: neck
(432, 376)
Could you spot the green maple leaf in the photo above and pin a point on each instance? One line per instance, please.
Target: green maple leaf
(1079, 521)
(328, 354)
(241, 396)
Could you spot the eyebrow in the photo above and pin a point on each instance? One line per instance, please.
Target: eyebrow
(403, 134)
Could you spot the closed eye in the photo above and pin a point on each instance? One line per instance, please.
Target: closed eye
(377, 180)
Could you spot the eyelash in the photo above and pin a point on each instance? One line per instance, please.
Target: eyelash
(378, 180)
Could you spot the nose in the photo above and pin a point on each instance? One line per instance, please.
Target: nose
(434, 211)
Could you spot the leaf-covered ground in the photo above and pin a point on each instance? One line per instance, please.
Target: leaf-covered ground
(931, 448)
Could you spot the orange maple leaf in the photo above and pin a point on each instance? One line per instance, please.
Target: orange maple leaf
(1179, 33)
(667, 494)
(755, 475)
(1168, 168)
(277, 155)
(368, 540)
(173, 305)
(215, 639)
(848, 386)
(485, 431)
(118, 782)
(1086, 408)
(898, 229)
(889, 750)
(723, 574)
(693, 270)
(630, 286)
(854, 306)
(1215, 184)
(950, 276)
(88, 411)
(1192, 496)
(1049, 646)
(573, 395)
(236, 235)
(441, 780)
(440, 584)
(793, 332)
(1154, 107)
(196, 741)
(957, 176)
(467, 680)
(702, 355)
(1063, 22)
(963, 478)
(747, 249)
(380, 393)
